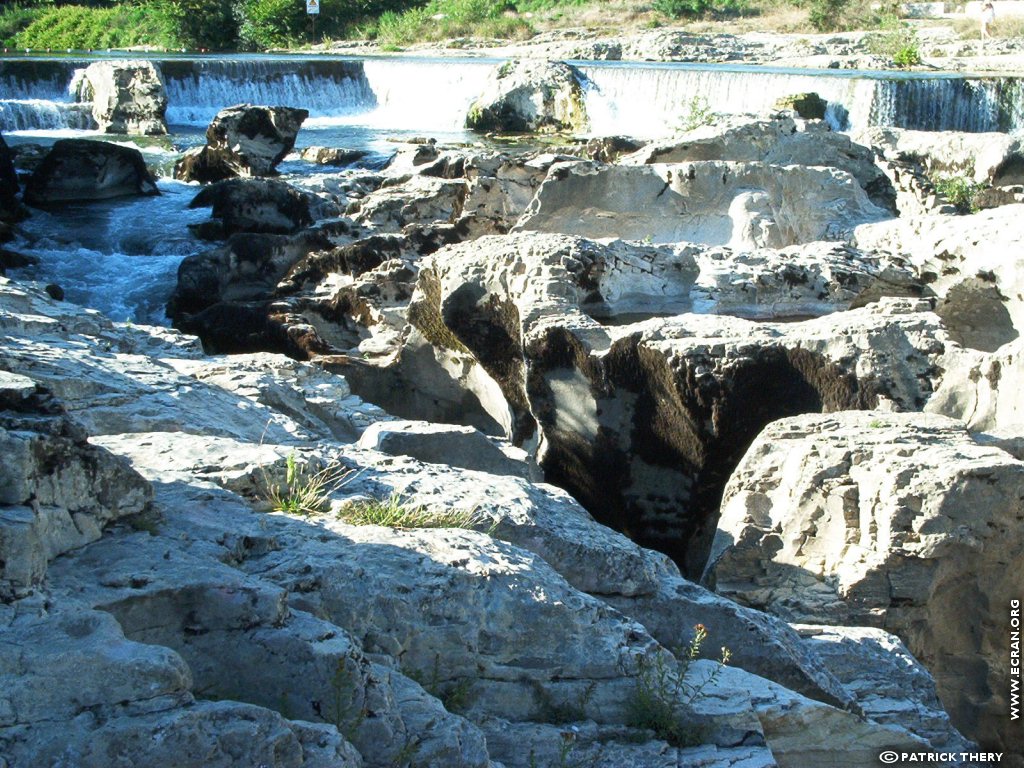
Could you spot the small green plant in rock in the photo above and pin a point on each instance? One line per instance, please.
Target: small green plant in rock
(960, 192)
(303, 493)
(698, 113)
(662, 692)
(395, 512)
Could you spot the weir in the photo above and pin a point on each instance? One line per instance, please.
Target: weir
(434, 94)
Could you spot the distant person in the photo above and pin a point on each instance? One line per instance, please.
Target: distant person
(988, 15)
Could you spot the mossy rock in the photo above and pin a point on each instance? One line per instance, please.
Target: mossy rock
(809, 106)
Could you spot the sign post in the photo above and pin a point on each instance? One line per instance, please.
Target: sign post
(313, 10)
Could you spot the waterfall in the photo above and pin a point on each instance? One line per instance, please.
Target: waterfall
(433, 95)
(395, 93)
(948, 104)
(428, 95)
(197, 90)
(35, 95)
(654, 99)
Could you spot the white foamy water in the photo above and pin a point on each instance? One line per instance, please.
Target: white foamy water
(118, 256)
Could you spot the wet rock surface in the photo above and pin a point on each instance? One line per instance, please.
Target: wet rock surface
(79, 170)
(243, 140)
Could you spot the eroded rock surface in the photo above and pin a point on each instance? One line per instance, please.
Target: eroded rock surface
(746, 204)
(527, 95)
(127, 96)
(899, 521)
(331, 644)
(243, 140)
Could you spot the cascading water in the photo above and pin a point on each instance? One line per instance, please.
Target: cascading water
(650, 100)
(118, 256)
(653, 100)
(425, 95)
(39, 98)
(197, 90)
(950, 104)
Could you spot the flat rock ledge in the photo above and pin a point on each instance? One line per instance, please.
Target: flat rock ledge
(200, 626)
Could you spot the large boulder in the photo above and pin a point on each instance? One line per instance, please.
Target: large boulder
(643, 422)
(126, 96)
(79, 170)
(252, 205)
(743, 204)
(899, 521)
(528, 95)
(243, 140)
(224, 295)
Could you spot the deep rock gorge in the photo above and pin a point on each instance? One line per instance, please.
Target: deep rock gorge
(754, 378)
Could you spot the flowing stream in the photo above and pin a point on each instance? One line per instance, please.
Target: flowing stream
(121, 256)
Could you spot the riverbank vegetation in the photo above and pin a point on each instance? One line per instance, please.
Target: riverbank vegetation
(273, 24)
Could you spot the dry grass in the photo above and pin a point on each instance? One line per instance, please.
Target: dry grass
(1007, 27)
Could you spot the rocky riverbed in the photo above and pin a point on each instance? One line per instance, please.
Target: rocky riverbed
(941, 46)
(491, 457)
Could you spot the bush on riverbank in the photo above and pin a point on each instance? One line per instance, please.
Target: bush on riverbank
(81, 27)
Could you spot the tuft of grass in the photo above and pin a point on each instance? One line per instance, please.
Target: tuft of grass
(395, 512)
(657, 702)
(303, 493)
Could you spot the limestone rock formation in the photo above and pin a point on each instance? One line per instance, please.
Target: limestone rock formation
(899, 521)
(223, 294)
(529, 95)
(809, 106)
(332, 155)
(799, 281)
(226, 634)
(642, 421)
(973, 264)
(779, 140)
(243, 140)
(988, 158)
(127, 96)
(253, 205)
(748, 204)
(57, 492)
(449, 444)
(80, 170)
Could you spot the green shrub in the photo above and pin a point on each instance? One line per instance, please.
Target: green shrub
(678, 9)
(960, 192)
(900, 43)
(81, 27)
(698, 113)
(13, 19)
(446, 19)
(201, 23)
